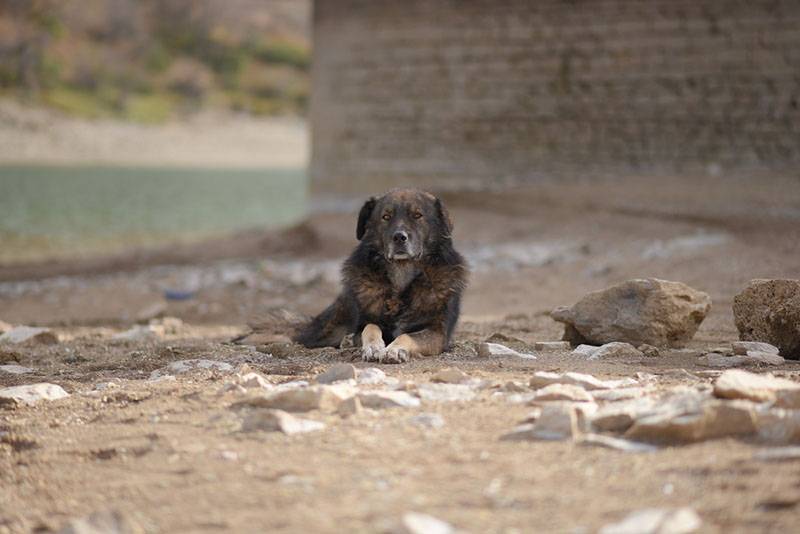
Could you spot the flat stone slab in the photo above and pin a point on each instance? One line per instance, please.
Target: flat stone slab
(31, 393)
(13, 369)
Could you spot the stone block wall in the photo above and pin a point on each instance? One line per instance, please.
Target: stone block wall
(449, 93)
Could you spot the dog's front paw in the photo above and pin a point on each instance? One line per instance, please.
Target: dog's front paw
(373, 352)
(395, 355)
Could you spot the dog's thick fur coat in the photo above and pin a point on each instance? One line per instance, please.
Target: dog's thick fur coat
(402, 284)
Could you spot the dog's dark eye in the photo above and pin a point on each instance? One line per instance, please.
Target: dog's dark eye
(417, 215)
(386, 217)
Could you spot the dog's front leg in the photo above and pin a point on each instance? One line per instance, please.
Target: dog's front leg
(372, 345)
(423, 343)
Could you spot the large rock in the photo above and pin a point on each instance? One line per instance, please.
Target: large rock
(279, 421)
(651, 311)
(31, 393)
(737, 384)
(769, 311)
(714, 420)
(21, 334)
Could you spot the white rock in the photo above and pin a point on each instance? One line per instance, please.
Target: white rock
(304, 399)
(388, 399)
(562, 392)
(104, 522)
(185, 366)
(767, 358)
(450, 375)
(779, 426)
(336, 373)
(371, 375)
(616, 395)
(446, 392)
(556, 422)
(585, 351)
(618, 444)
(278, 420)
(714, 359)
(743, 347)
(135, 333)
(254, 380)
(14, 369)
(737, 384)
(496, 349)
(31, 393)
(552, 346)
(294, 384)
(619, 416)
(414, 523)
(656, 521)
(427, 420)
(20, 334)
(712, 420)
(778, 454)
(348, 407)
(615, 349)
(588, 382)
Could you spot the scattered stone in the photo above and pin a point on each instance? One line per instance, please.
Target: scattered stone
(741, 348)
(370, 375)
(496, 349)
(778, 454)
(532, 415)
(769, 311)
(349, 407)
(185, 366)
(586, 351)
(335, 373)
(254, 380)
(278, 420)
(552, 346)
(21, 334)
(427, 420)
(135, 333)
(565, 392)
(648, 350)
(620, 416)
(31, 393)
(616, 395)
(588, 382)
(303, 399)
(652, 311)
(556, 422)
(737, 384)
(767, 358)
(388, 399)
(615, 350)
(714, 359)
(779, 426)
(450, 375)
(414, 523)
(514, 387)
(13, 369)
(106, 522)
(714, 420)
(656, 521)
(446, 392)
(499, 337)
(618, 444)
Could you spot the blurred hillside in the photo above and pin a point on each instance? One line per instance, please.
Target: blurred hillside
(152, 60)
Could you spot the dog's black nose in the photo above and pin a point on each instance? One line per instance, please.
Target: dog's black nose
(400, 237)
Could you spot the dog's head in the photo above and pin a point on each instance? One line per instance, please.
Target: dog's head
(404, 224)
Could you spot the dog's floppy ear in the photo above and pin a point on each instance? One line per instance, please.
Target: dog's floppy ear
(444, 218)
(363, 217)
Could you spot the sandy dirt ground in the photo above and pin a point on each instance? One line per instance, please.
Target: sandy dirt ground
(209, 139)
(170, 455)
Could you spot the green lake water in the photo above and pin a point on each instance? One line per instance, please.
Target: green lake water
(79, 211)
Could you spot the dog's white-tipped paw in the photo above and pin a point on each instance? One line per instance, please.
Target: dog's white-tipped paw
(373, 353)
(395, 355)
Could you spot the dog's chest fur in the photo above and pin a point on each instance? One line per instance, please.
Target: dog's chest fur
(401, 274)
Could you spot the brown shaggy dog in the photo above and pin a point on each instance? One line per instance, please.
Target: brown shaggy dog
(402, 283)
